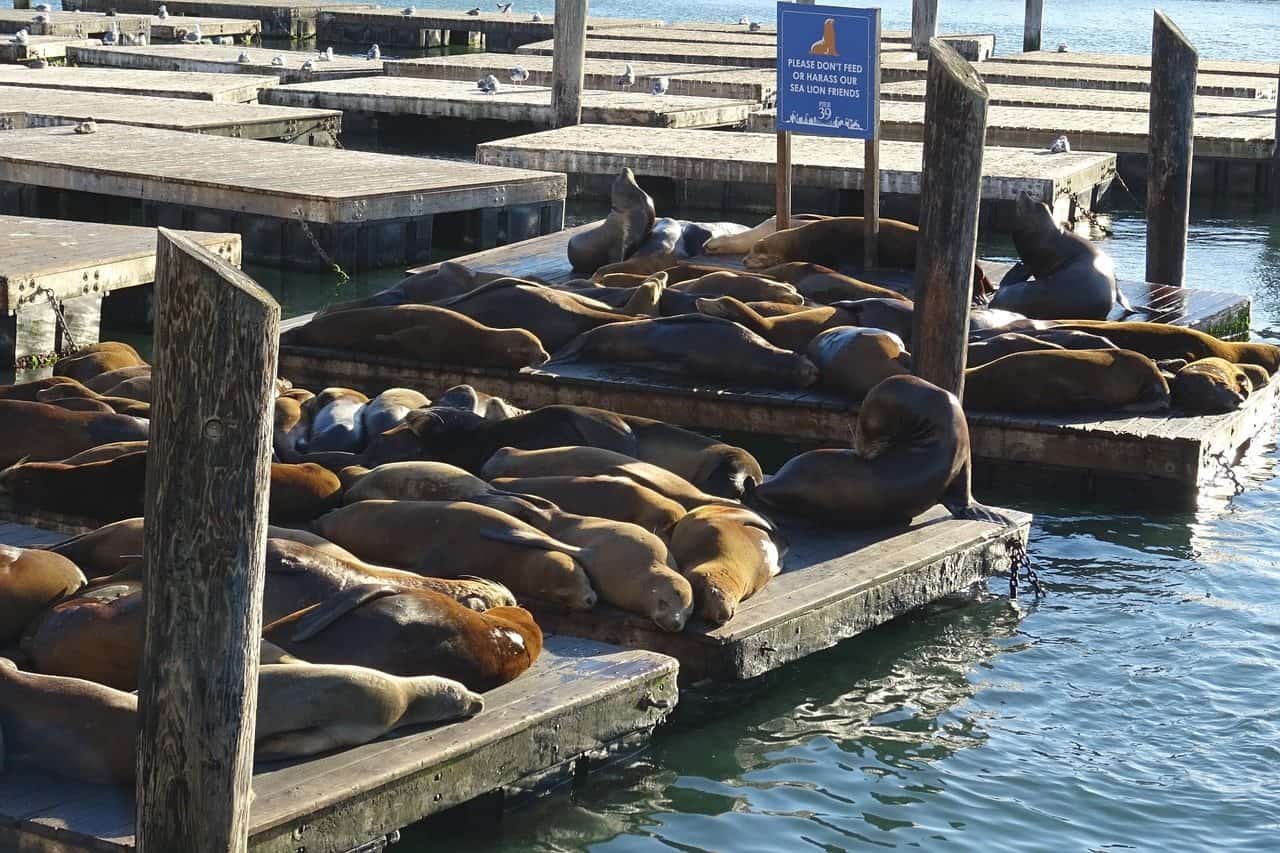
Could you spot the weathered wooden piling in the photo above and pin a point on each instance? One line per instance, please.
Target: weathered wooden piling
(1171, 146)
(1275, 166)
(950, 191)
(1032, 25)
(567, 62)
(924, 25)
(783, 212)
(208, 471)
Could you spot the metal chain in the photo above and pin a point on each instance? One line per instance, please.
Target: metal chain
(343, 278)
(61, 319)
(1020, 559)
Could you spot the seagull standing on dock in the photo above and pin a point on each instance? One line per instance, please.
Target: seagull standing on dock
(407, 11)
(326, 55)
(277, 60)
(504, 8)
(536, 18)
(307, 67)
(754, 27)
(87, 126)
(1060, 146)
(1062, 48)
(474, 12)
(162, 13)
(488, 84)
(193, 35)
(243, 57)
(627, 78)
(660, 85)
(744, 20)
(20, 37)
(375, 52)
(519, 74)
(111, 36)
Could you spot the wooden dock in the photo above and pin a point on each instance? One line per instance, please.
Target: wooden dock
(436, 27)
(51, 48)
(1011, 95)
(222, 88)
(697, 53)
(709, 81)
(374, 99)
(174, 27)
(1233, 67)
(291, 19)
(25, 108)
(1088, 77)
(225, 59)
(737, 170)
(366, 210)
(975, 48)
(72, 25)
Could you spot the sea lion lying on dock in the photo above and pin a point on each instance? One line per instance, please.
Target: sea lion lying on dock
(96, 634)
(301, 492)
(555, 317)
(97, 359)
(911, 451)
(713, 466)
(487, 406)
(834, 243)
(1067, 382)
(604, 496)
(631, 217)
(786, 331)
(741, 242)
(73, 395)
(440, 282)
(104, 382)
(1210, 386)
(43, 432)
(109, 490)
(439, 481)
(998, 346)
(728, 554)
(390, 407)
(31, 580)
(1161, 341)
(742, 286)
(854, 359)
(825, 285)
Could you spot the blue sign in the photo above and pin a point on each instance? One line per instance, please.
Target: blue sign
(828, 70)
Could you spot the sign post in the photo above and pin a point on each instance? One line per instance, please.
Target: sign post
(829, 85)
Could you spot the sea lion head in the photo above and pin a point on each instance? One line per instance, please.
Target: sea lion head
(432, 698)
(673, 606)
(905, 410)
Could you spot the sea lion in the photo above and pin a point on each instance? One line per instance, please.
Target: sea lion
(855, 359)
(411, 633)
(439, 282)
(892, 315)
(138, 388)
(313, 708)
(1068, 339)
(1061, 275)
(109, 490)
(714, 467)
(487, 406)
(997, 320)
(438, 481)
(728, 554)
(554, 316)
(29, 391)
(83, 404)
(300, 492)
(826, 46)
(107, 550)
(42, 432)
(823, 284)
(290, 427)
(694, 236)
(96, 635)
(1210, 386)
(644, 265)
(835, 242)
(97, 359)
(1161, 341)
(111, 378)
(911, 451)
(697, 346)
(642, 300)
(788, 331)
(998, 346)
(745, 287)
(630, 218)
(604, 496)
(1067, 381)
(336, 423)
(68, 726)
(741, 242)
(1259, 378)
(31, 580)
(389, 408)
(665, 238)
(451, 538)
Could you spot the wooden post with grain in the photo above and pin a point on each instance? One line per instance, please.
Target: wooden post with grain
(924, 25)
(1275, 165)
(1032, 25)
(1171, 143)
(782, 214)
(208, 471)
(871, 165)
(955, 125)
(568, 58)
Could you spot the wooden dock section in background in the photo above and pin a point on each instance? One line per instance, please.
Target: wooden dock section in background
(436, 27)
(222, 88)
(26, 108)
(174, 27)
(72, 25)
(1086, 77)
(291, 19)
(225, 59)
(706, 81)
(1012, 95)
(626, 50)
(51, 48)
(366, 210)
(737, 170)
(1234, 67)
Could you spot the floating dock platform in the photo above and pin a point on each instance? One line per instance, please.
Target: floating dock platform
(174, 28)
(697, 53)
(1233, 67)
(364, 210)
(290, 19)
(51, 48)
(73, 25)
(225, 59)
(222, 88)
(737, 170)
(706, 81)
(437, 27)
(24, 108)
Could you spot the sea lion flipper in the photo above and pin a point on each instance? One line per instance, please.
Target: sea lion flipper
(286, 745)
(330, 610)
(1017, 273)
(529, 539)
(975, 511)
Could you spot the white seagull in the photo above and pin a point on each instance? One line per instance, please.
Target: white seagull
(660, 85)
(326, 55)
(87, 126)
(627, 78)
(519, 74)
(243, 57)
(20, 37)
(488, 84)
(278, 60)
(1060, 146)
(375, 52)
(162, 13)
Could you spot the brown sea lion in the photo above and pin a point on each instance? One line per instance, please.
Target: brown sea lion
(301, 492)
(697, 346)
(109, 490)
(855, 359)
(29, 391)
(137, 388)
(446, 539)
(714, 467)
(742, 286)
(289, 428)
(68, 726)
(83, 404)
(642, 300)
(98, 359)
(789, 331)
(776, 309)
(1160, 341)
(1067, 381)
(630, 218)
(96, 635)
(487, 406)
(892, 315)
(728, 554)
(439, 282)
(313, 708)
(412, 633)
(554, 316)
(419, 480)
(31, 580)
(644, 265)
(107, 550)
(823, 284)
(1210, 386)
(741, 242)
(604, 496)
(998, 346)
(390, 407)
(911, 451)
(835, 242)
(1259, 378)
(1068, 339)
(41, 432)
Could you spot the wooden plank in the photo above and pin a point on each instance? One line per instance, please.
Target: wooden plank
(263, 178)
(224, 59)
(38, 47)
(1234, 67)
(1085, 77)
(175, 27)
(294, 19)
(504, 31)
(512, 103)
(705, 155)
(712, 81)
(161, 84)
(72, 25)
(51, 107)
(741, 55)
(1216, 137)
(82, 259)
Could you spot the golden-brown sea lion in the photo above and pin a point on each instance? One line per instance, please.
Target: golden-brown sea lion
(447, 539)
(741, 242)
(630, 218)
(604, 496)
(998, 346)
(712, 466)
(98, 359)
(835, 242)
(855, 359)
(29, 391)
(104, 491)
(728, 554)
(68, 726)
(554, 316)
(697, 346)
(137, 388)
(742, 286)
(96, 635)
(30, 581)
(911, 451)
(418, 480)
(1259, 378)
(390, 407)
(106, 550)
(289, 428)
(1067, 381)
(1160, 341)
(1210, 386)
(788, 331)
(823, 284)
(642, 300)
(301, 492)
(313, 708)
(42, 432)
(83, 404)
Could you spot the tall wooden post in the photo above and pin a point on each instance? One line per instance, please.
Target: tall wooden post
(871, 167)
(208, 470)
(1275, 166)
(1170, 145)
(782, 182)
(955, 127)
(569, 56)
(1032, 24)
(924, 25)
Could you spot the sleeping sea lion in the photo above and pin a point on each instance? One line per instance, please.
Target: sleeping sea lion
(290, 428)
(138, 388)
(336, 423)
(389, 408)
(834, 243)
(97, 359)
(301, 492)
(83, 404)
(603, 496)
(1259, 378)
(998, 346)
(419, 480)
(95, 634)
(487, 406)
(787, 331)
(823, 284)
(911, 451)
(713, 466)
(31, 580)
(741, 242)
(29, 391)
(854, 359)
(1067, 381)
(41, 432)
(553, 316)
(728, 554)
(111, 378)
(1210, 386)
(109, 490)
(892, 315)
(742, 286)
(630, 218)
(439, 282)
(1160, 341)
